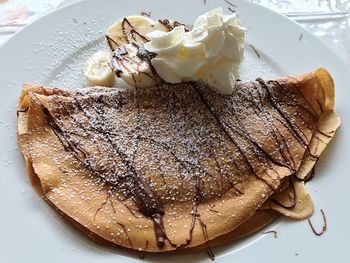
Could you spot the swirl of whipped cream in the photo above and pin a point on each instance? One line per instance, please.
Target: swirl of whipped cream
(210, 53)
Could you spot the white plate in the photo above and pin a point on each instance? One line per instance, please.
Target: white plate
(53, 49)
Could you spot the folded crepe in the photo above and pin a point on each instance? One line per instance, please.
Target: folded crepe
(177, 166)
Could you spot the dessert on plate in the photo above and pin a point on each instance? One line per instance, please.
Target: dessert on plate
(189, 157)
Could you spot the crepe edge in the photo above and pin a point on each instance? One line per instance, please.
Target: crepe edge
(318, 88)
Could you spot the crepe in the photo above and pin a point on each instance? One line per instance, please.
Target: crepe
(259, 220)
(173, 166)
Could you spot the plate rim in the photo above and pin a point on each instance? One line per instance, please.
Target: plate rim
(337, 60)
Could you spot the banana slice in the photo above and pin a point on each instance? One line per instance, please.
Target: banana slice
(132, 63)
(130, 60)
(97, 70)
(133, 28)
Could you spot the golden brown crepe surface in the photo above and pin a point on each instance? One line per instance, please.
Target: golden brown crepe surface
(115, 162)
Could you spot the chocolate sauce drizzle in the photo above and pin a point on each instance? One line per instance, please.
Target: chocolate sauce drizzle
(148, 14)
(205, 234)
(126, 234)
(131, 34)
(109, 193)
(113, 134)
(132, 211)
(274, 232)
(253, 47)
(121, 62)
(22, 111)
(195, 217)
(232, 10)
(228, 130)
(324, 228)
(231, 4)
(171, 25)
(142, 255)
(113, 45)
(146, 199)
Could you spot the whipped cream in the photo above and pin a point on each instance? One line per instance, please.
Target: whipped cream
(209, 53)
